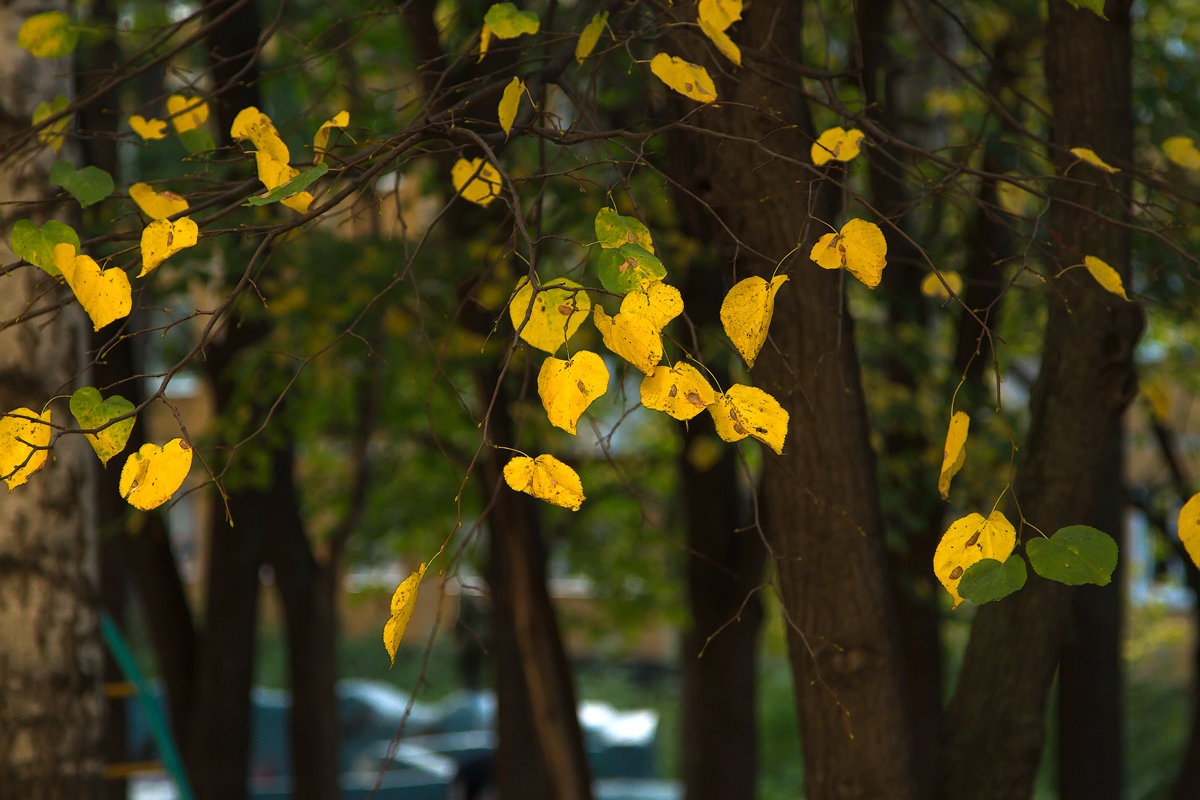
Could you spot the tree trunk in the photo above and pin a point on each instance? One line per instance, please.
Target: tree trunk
(51, 659)
(821, 496)
(995, 722)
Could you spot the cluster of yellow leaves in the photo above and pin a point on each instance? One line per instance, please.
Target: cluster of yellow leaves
(967, 541)
(271, 155)
(715, 17)
(186, 114)
(858, 248)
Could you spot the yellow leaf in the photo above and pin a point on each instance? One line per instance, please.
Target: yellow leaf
(53, 134)
(509, 103)
(321, 138)
(631, 336)
(274, 173)
(836, 144)
(681, 391)
(104, 294)
(155, 205)
(968, 540)
(1106, 276)
(567, 388)
(658, 302)
(478, 180)
(859, 248)
(748, 411)
(1159, 398)
(722, 41)
(1014, 198)
(162, 239)
(932, 286)
(690, 80)
(546, 478)
(152, 474)
(485, 39)
(954, 454)
(590, 36)
(720, 14)
(148, 129)
(1182, 150)
(1089, 155)
(404, 600)
(1188, 527)
(252, 124)
(48, 35)
(746, 314)
(187, 113)
(558, 311)
(23, 440)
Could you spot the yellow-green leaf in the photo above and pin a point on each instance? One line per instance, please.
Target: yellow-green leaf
(721, 39)
(507, 22)
(749, 411)
(509, 104)
(614, 230)
(105, 295)
(92, 411)
(680, 391)
(148, 129)
(631, 336)
(48, 35)
(1106, 276)
(720, 14)
(1182, 150)
(932, 285)
(590, 36)
(558, 310)
(1188, 527)
(152, 474)
(1089, 155)
(478, 180)
(836, 144)
(156, 205)
(163, 238)
(546, 478)
(968, 540)
(321, 138)
(567, 388)
(36, 245)
(187, 113)
(53, 134)
(404, 600)
(658, 302)
(954, 454)
(746, 314)
(24, 437)
(859, 248)
(690, 80)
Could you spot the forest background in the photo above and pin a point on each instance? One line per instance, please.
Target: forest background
(368, 385)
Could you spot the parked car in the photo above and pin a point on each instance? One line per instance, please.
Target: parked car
(446, 752)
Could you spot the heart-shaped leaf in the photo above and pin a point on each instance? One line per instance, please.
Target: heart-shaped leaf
(48, 35)
(629, 268)
(105, 295)
(966, 542)
(88, 185)
(164, 238)
(1074, 555)
(567, 388)
(558, 310)
(92, 411)
(152, 474)
(36, 245)
(988, 579)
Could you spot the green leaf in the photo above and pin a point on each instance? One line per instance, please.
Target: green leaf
(88, 185)
(1074, 555)
(506, 22)
(294, 186)
(91, 411)
(48, 35)
(614, 230)
(52, 134)
(629, 268)
(197, 140)
(36, 245)
(1094, 6)
(988, 579)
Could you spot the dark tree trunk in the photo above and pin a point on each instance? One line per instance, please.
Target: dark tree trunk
(821, 496)
(1090, 760)
(521, 609)
(995, 722)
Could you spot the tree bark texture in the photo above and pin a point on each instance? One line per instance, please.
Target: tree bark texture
(821, 495)
(51, 658)
(995, 722)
